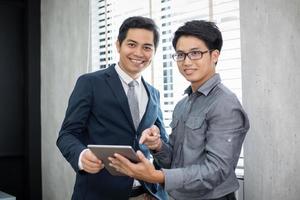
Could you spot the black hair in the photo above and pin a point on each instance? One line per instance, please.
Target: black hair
(138, 22)
(206, 31)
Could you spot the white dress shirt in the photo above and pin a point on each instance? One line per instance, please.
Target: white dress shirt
(141, 94)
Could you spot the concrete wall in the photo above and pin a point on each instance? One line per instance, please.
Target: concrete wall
(271, 92)
(64, 51)
(270, 33)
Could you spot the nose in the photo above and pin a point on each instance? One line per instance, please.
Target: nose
(187, 61)
(138, 52)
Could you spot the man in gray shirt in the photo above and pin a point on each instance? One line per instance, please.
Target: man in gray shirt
(208, 126)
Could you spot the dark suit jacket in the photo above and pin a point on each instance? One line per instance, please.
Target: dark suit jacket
(98, 113)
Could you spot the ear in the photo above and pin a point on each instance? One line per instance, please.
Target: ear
(215, 55)
(118, 46)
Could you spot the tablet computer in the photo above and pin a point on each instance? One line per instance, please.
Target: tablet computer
(104, 151)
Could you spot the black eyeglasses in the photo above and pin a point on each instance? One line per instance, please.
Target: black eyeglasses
(193, 55)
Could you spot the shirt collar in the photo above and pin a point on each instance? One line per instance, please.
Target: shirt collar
(125, 77)
(207, 86)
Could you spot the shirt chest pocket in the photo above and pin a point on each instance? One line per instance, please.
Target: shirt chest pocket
(195, 128)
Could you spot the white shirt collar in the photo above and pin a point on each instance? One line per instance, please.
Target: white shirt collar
(124, 76)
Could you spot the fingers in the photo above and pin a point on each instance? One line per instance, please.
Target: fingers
(151, 138)
(141, 156)
(151, 134)
(121, 164)
(154, 145)
(152, 141)
(142, 170)
(91, 163)
(121, 159)
(155, 130)
(144, 136)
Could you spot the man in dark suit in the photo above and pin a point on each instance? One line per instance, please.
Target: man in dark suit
(100, 113)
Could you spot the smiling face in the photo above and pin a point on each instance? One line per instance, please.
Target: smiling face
(136, 51)
(196, 71)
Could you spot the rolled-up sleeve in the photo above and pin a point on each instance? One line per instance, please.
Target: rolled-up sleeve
(163, 157)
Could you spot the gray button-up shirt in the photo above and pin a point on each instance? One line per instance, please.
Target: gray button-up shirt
(208, 129)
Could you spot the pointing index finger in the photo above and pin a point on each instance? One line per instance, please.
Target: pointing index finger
(142, 139)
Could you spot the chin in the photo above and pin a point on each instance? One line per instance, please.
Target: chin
(189, 77)
(140, 68)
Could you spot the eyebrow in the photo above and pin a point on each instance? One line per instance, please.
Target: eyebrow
(192, 49)
(146, 44)
(129, 40)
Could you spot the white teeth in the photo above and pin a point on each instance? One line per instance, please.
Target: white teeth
(137, 61)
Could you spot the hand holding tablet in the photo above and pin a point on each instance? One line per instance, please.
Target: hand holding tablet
(105, 151)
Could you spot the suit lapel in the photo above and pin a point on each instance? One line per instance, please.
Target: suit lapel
(115, 84)
(150, 113)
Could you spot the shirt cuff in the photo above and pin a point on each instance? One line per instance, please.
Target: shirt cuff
(162, 151)
(79, 160)
(173, 179)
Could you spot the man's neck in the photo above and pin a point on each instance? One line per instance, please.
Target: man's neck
(132, 75)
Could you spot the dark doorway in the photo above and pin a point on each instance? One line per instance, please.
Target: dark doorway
(19, 101)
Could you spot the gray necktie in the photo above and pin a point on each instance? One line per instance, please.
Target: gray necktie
(133, 103)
